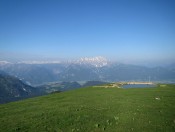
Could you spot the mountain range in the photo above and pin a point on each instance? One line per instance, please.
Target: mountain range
(11, 89)
(85, 69)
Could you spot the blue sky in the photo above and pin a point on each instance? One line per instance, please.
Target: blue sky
(121, 30)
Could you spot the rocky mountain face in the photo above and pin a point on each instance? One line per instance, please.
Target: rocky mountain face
(98, 61)
(85, 69)
(11, 89)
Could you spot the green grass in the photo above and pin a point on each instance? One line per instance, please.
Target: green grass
(94, 109)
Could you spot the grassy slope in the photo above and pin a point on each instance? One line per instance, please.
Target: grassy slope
(94, 109)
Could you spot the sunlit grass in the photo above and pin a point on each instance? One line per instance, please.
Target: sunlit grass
(94, 109)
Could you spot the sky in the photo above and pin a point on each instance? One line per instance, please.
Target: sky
(122, 30)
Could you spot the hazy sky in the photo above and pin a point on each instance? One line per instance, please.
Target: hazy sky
(128, 30)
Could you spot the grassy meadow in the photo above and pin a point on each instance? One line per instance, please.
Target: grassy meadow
(94, 109)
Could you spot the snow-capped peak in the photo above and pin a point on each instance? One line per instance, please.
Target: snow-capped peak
(98, 61)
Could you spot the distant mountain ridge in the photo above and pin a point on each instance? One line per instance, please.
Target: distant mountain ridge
(97, 61)
(86, 69)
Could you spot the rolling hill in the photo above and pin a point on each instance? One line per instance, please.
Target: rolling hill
(94, 109)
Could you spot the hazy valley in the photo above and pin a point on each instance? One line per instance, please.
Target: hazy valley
(34, 78)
